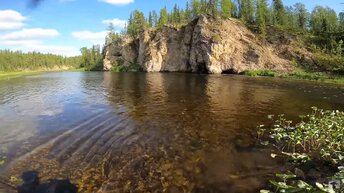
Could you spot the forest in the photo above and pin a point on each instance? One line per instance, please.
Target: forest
(20, 61)
(90, 59)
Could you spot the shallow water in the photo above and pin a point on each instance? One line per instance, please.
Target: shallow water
(137, 132)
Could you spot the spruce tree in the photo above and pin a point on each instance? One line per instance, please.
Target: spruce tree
(150, 19)
(163, 17)
(226, 8)
(188, 12)
(279, 12)
(301, 14)
(262, 10)
(196, 8)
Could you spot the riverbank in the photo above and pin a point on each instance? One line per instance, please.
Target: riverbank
(300, 75)
(10, 75)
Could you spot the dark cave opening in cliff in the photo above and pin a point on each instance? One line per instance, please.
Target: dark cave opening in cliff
(202, 68)
(229, 71)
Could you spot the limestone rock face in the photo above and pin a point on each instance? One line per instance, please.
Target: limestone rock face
(121, 52)
(204, 45)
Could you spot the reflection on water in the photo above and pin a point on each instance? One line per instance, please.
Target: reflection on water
(127, 132)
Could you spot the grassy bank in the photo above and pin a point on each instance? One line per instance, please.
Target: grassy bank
(10, 75)
(299, 75)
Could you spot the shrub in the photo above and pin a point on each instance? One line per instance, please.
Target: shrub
(259, 73)
(334, 63)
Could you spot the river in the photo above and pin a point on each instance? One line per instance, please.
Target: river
(148, 132)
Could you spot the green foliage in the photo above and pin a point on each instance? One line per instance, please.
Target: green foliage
(216, 38)
(320, 136)
(330, 62)
(136, 23)
(322, 28)
(226, 8)
(323, 20)
(259, 73)
(19, 61)
(301, 15)
(279, 12)
(91, 58)
(322, 132)
(262, 15)
(246, 11)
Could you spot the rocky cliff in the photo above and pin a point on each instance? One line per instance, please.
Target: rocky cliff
(206, 46)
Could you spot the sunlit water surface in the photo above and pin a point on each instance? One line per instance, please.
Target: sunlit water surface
(137, 132)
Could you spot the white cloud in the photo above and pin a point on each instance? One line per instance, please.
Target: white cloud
(91, 37)
(38, 46)
(117, 23)
(117, 2)
(10, 19)
(28, 40)
(53, 49)
(19, 42)
(30, 34)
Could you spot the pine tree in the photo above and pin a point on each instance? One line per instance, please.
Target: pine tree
(301, 14)
(196, 8)
(262, 9)
(279, 12)
(203, 7)
(188, 12)
(212, 8)
(155, 18)
(341, 19)
(136, 23)
(246, 10)
(175, 16)
(163, 17)
(150, 20)
(226, 8)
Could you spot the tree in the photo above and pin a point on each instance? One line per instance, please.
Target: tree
(323, 20)
(136, 23)
(279, 12)
(226, 8)
(262, 11)
(175, 16)
(155, 18)
(196, 8)
(341, 19)
(302, 15)
(212, 8)
(163, 17)
(188, 12)
(246, 10)
(150, 19)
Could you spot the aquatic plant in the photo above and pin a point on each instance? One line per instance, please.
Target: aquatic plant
(318, 137)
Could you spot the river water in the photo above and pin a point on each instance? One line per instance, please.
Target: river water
(140, 132)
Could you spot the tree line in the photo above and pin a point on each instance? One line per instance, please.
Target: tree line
(323, 25)
(90, 59)
(19, 61)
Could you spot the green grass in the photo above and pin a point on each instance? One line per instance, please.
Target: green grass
(299, 75)
(9, 75)
(259, 73)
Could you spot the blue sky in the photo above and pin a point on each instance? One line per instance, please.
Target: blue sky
(64, 26)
